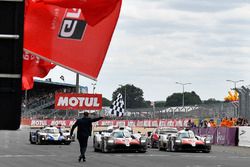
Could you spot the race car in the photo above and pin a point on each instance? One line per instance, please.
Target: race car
(155, 135)
(49, 135)
(185, 140)
(164, 135)
(122, 140)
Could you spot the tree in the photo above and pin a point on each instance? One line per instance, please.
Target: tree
(160, 103)
(106, 102)
(190, 98)
(211, 101)
(134, 96)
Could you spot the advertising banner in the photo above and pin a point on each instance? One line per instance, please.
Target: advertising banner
(221, 135)
(244, 136)
(231, 136)
(41, 123)
(74, 101)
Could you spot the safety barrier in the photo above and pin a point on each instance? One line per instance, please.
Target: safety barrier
(233, 136)
(244, 136)
(220, 135)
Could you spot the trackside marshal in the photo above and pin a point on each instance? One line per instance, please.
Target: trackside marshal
(64, 101)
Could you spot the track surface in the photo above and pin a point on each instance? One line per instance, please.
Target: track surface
(16, 151)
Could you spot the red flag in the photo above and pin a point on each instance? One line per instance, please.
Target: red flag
(93, 10)
(33, 66)
(62, 36)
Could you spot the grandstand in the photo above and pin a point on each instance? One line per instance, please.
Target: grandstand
(38, 103)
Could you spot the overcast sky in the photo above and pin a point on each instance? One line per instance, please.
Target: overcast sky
(160, 42)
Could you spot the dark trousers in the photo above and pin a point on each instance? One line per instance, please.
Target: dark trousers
(83, 141)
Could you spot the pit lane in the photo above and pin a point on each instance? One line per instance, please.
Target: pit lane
(15, 150)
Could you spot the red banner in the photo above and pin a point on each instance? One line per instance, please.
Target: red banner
(65, 101)
(63, 36)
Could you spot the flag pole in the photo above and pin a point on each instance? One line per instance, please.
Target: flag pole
(77, 88)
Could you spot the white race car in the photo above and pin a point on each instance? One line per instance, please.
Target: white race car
(97, 138)
(49, 135)
(164, 135)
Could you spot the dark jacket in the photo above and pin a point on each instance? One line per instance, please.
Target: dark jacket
(84, 126)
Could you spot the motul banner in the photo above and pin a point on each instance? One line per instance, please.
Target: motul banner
(65, 101)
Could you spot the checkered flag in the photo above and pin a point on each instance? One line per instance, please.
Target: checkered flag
(117, 107)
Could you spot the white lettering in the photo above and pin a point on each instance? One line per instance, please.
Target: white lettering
(96, 104)
(73, 101)
(75, 14)
(81, 99)
(68, 28)
(63, 101)
(88, 101)
(78, 102)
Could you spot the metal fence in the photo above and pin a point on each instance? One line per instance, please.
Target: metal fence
(244, 102)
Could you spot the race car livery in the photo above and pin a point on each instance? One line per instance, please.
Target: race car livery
(49, 135)
(122, 140)
(185, 140)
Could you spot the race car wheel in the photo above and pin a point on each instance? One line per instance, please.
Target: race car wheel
(171, 146)
(31, 142)
(95, 150)
(104, 147)
(206, 151)
(67, 143)
(153, 144)
(142, 151)
(159, 147)
(39, 141)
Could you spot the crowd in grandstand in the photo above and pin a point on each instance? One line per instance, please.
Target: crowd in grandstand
(225, 122)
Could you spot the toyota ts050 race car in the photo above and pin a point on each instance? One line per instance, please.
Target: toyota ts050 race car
(50, 135)
(122, 140)
(185, 140)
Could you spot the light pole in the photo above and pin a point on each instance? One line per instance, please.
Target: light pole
(183, 91)
(125, 99)
(235, 82)
(94, 85)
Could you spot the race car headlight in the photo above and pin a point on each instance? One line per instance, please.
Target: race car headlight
(208, 142)
(177, 141)
(110, 141)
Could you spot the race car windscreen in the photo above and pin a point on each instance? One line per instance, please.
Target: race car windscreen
(167, 131)
(186, 134)
(51, 131)
(121, 134)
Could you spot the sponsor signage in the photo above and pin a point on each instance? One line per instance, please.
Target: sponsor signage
(65, 101)
(244, 136)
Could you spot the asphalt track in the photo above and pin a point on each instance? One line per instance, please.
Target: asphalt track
(16, 151)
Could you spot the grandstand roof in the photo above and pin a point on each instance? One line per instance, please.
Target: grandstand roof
(56, 83)
(48, 86)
